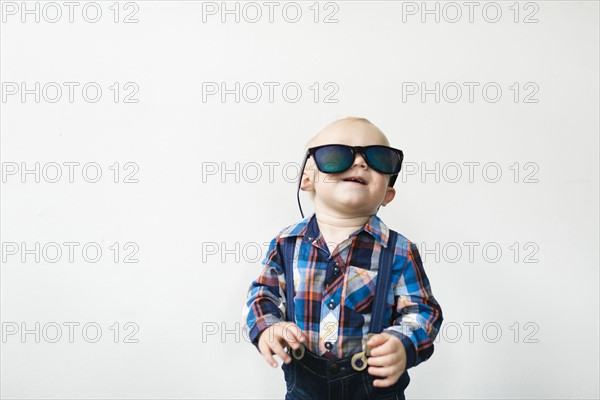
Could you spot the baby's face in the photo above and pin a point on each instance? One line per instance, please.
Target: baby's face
(335, 193)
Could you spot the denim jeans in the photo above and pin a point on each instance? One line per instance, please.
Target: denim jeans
(317, 378)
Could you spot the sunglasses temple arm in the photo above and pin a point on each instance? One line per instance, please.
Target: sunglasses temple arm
(299, 183)
(298, 198)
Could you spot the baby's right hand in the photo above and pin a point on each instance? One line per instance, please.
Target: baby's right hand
(276, 337)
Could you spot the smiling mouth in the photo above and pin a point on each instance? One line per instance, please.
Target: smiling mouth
(355, 179)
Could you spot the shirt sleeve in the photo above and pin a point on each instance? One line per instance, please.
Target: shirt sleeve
(266, 295)
(418, 314)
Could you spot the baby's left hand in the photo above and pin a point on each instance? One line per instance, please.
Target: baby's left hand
(387, 360)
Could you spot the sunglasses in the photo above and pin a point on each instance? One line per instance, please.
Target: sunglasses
(337, 158)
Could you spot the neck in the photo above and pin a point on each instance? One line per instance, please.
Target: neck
(334, 221)
(336, 228)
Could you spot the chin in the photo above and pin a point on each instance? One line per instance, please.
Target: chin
(355, 207)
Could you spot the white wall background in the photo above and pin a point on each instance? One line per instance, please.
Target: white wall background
(186, 292)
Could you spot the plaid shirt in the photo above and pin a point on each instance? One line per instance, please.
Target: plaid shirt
(334, 292)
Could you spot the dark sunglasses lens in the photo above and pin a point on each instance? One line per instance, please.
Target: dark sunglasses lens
(383, 159)
(334, 159)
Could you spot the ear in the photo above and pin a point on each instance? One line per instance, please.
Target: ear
(308, 179)
(390, 193)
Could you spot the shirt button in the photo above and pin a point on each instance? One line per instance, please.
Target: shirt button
(334, 368)
(331, 305)
(336, 270)
(328, 345)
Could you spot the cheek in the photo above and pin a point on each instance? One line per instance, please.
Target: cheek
(380, 183)
(320, 183)
(322, 179)
(380, 191)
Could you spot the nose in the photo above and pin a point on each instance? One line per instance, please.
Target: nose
(359, 160)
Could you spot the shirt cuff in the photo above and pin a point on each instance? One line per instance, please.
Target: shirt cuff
(411, 352)
(260, 326)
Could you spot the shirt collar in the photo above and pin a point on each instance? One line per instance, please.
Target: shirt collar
(308, 227)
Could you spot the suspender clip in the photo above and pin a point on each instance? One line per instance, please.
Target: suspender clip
(359, 361)
(299, 352)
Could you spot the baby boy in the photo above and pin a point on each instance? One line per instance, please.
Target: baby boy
(342, 299)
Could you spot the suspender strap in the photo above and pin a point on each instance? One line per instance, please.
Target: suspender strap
(288, 260)
(386, 262)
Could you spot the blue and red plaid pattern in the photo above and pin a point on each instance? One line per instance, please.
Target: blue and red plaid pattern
(334, 292)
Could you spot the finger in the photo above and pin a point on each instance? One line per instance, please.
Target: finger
(264, 349)
(386, 347)
(300, 335)
(277, 348)
(382, 361)
(292, 334)
(382, 371)
(377, 340)
(389, 381)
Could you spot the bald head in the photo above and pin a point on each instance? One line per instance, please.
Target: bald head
(352, 131)
(334, 194)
